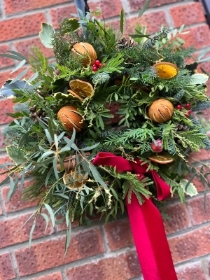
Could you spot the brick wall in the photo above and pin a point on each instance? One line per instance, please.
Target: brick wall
(102, 252)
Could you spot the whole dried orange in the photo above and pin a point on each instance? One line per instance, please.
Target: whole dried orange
(161, 110)
(165, 70)
(70, 118)
(86, 51)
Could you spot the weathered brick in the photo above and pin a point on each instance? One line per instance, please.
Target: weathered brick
(50, 254)
(12, 233)
(4, 61)
(24, 47)
(177, 218)
(190, 245)
(198, 36)
(6, 106)
(21, 27)
(199, 209)
(153, 21)
(63, 226)
(57, 15)
(187, 14)
(16, 203)
(53, 276)
(199, 156)
(191, 272)
(15, 6)
(6, 269)
(118, 234)
(124, 266)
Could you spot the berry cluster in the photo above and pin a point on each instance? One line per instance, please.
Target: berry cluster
(157, 146)
(187, 107)
(96, 65)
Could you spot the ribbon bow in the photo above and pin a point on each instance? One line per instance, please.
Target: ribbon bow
(146, 221)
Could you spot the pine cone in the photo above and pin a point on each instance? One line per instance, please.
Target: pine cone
(181, 127)
(36, 113)
(126, 42)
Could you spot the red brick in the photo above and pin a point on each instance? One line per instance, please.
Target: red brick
(3, 160)
(124, 266)
(59, 14)
(12, 233)
(16, 203)
(3, 77)
(53, 276)
(50, 254)
(21, 27)
(6, 106)
(111, 8)
(190, 245)
(199, 156)
(118, 234)
(177, 218)
(2, 140)
(138, 4)
(15, 6)
(4, 61)
(191, 272)
(198, 36)
(153, 21)
(1, 210)
(198, 213)
(6, 269)
(24, 47)
(187, 14)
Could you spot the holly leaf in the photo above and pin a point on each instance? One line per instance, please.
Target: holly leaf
(46, 35)
(189, 188)
(199, 79)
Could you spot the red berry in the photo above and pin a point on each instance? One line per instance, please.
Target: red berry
(179, 107)
(98, 63)
(187, 106)
(94, 68)
(189, 112)
(157, 146)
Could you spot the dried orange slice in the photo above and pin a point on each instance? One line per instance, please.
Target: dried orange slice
(165, 70)
(161, 159)
(81, 89)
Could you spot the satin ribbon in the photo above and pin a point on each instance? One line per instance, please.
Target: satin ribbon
(146, 221)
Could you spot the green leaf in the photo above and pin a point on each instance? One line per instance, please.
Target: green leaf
(31, 232)
(97, 176)
(50, 211)
(144, 8)
(13, 187)
(46, 35)
(68, 238)
(19, 65)
(122, 14)
(189, 189)
(198, 79)
(46, 219)
(16, 154)
(21, 75)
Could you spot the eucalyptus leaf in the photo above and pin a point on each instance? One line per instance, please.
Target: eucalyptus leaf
(50, 211)
(199, 79)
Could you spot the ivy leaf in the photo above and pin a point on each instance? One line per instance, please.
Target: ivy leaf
(46, 34)
(188, 188)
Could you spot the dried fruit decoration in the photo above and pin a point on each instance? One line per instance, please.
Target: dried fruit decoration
(86, 51)
(161, 110)
(81, 89)
(165, 70)
(70, 118)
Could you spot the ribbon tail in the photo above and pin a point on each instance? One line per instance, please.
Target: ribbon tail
(150, 240)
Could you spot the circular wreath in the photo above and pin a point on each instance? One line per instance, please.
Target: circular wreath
(106, 92)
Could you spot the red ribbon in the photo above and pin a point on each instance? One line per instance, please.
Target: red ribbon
(146, 221)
